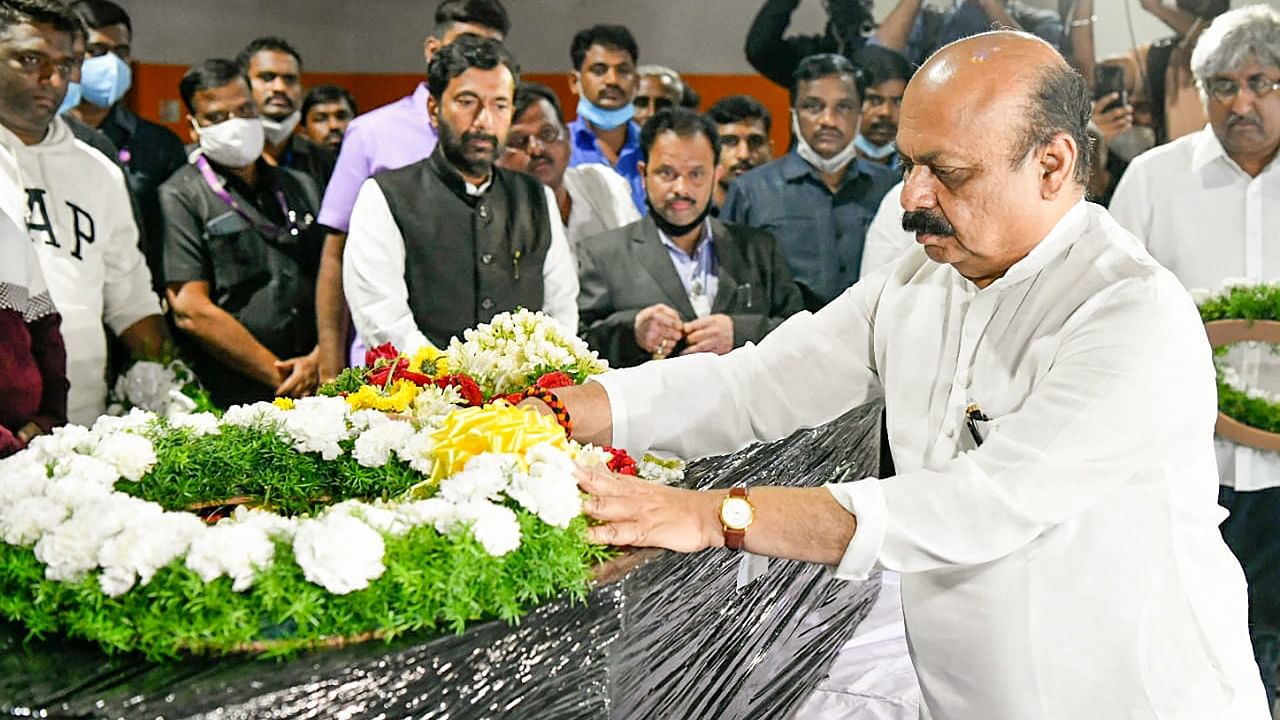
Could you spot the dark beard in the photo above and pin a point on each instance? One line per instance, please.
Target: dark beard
(454, 149)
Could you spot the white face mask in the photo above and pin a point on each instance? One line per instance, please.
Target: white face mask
(823, 165)
(277, 131)
(235, 143)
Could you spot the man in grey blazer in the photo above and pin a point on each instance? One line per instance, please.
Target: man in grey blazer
(679, 282)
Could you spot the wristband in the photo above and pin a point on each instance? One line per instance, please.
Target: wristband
(558, 410)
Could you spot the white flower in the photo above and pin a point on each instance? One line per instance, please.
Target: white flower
(27, 520)
(589, 456)
(261, 415)
(1200, 295)
(495, 527)
(379, 516)
(142, 548)
(503, 354)
(484, 477)
(199, 424)
(179, 404)
(78, 491)
(374, 446)
(433, 404)
(275, 526)
(132, 455)
(338, 552)
(146, 385)
(660, 471)
(362, 420)
(433, 511)
(71, 549)
(237, 550)
(318, 424)
(86, 469)
(136, 421)
(549, 489)
(419, 452)
(62, 442)
(19, 481)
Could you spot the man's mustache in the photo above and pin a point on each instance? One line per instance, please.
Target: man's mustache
(1252, 120)
(471, 136)
(928, 222)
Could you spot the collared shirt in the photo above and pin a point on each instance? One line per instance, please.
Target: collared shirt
(698, 272)
(601, 200)
(80, 219)
(886, 240)
(585, 148)
(1068, 567)
(374, 265)
(386, 138)
(1207, 220)
(820, 234)
(261, 263)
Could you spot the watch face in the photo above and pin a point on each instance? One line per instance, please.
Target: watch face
(736, 513)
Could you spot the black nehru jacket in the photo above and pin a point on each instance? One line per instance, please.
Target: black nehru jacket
(467, 257)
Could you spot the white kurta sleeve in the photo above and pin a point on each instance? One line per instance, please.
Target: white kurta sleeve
(127, 294)
(373, 264)
(1130, 362)
(810, 370)
(559, 274)
(886, 240)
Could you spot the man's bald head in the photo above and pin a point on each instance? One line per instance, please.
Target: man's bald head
(1012, 80)
(993, 138)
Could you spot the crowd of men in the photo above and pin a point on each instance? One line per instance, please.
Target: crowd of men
(295, 231)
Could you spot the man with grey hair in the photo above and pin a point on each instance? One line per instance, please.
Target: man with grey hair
(661, 88)
(1207, 206)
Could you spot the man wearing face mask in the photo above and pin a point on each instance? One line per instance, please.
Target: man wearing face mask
(590, 198)
(486, 241)
(604, 79)
(678, 282)
(149, 153)
(78, 211)
(274, 70)
(886, 74)
(1207, 206)
(818, 199)
(241, 251)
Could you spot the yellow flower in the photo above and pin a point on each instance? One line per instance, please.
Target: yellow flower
(430, 361)
(284, 403)
(398, 400)
(497, 428)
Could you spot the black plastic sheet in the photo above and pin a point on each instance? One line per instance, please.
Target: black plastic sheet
(671, 638)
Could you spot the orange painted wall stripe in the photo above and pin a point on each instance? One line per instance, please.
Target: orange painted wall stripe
(157, 85)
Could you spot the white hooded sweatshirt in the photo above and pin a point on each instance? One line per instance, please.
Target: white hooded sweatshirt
(80, 220)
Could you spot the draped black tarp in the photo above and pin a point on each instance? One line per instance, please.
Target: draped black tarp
(673, 638)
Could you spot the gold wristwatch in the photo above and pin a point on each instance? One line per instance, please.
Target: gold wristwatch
(736, 515)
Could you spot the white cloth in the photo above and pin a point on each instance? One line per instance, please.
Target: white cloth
(886, 240)
(80, 219)
(1206, 220)
(373, 275)
(601, 201)
(1071, 567)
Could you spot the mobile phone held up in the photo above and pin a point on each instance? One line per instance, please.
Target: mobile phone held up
(1108, 79)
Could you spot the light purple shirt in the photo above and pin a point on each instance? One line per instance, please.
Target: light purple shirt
(385, 138)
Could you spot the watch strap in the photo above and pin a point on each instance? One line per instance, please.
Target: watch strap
(733, 538)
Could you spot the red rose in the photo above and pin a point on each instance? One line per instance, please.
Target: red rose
(385, 351)
(512, 398)
(620, 462)
(385, 371)
(467, 387)
(553, 380)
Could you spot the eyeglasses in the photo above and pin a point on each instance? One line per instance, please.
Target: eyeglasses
(1224, 90)
(548, 135)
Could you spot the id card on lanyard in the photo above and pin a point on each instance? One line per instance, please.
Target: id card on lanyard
(219, 188)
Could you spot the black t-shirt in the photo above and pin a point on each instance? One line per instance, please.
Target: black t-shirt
(263, 276)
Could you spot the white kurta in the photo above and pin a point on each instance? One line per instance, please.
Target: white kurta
(1071, 567)
(1207, 220)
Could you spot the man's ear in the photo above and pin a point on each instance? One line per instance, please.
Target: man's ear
(430, 47)
(433, 107)
(193, 129)
(575, 80)
(1058, 161)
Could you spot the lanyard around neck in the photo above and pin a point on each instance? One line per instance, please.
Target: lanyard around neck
(219, 188)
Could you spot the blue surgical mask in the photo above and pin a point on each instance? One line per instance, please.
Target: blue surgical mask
(105, 79)
(72, 99)
(873, 151)
(605, 119)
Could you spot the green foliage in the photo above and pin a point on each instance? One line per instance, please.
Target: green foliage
(260, 465)
(432, 583)
(348, 381)
(1244, 302)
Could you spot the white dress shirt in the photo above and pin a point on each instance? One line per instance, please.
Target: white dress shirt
(601, 201)
(1207, 220)
(373, 274)
(886, 240)
(1070, 567)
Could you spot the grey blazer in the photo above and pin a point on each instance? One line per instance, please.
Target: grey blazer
(625, 270)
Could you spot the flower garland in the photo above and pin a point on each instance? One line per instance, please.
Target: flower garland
(166, 386)
(454, 510)
(1242, 300)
